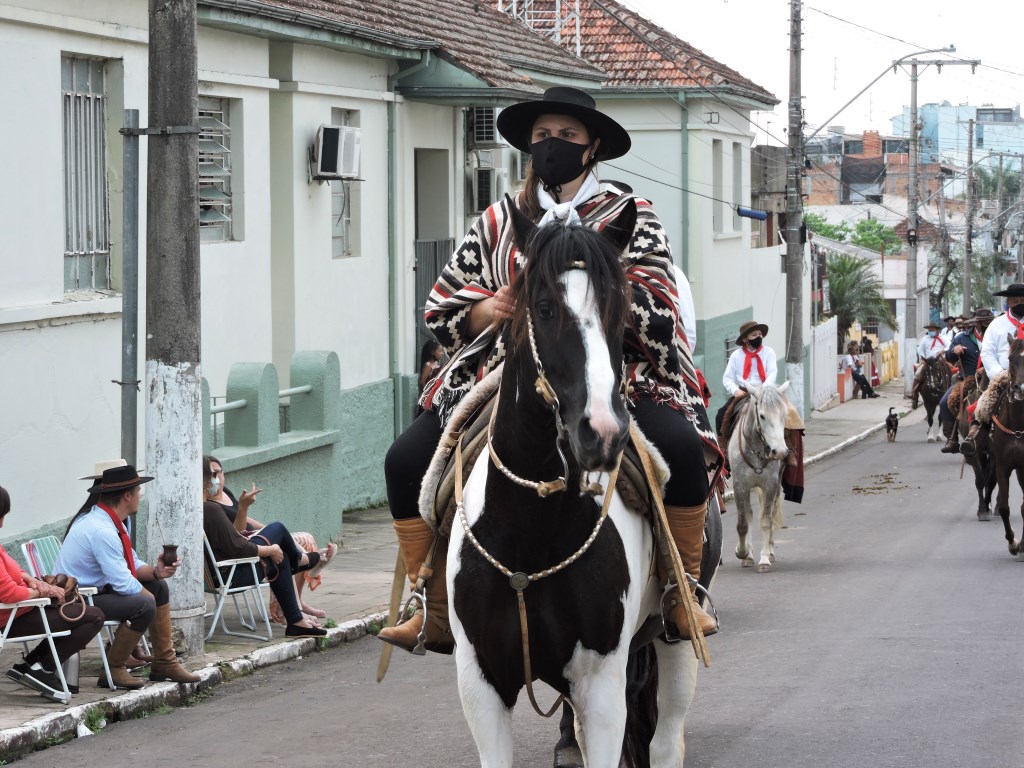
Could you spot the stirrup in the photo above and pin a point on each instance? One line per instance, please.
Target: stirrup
(420, 648)
(672, 636)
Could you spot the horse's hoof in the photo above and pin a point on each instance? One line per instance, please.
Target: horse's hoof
(568, 757)
(742, 555)
(1015, 547)
(748, 562)
(984, 517)
(764, 567)
(931, 439)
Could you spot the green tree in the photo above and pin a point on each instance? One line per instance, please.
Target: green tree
(855, 294)
(873, 234)
(817, 223)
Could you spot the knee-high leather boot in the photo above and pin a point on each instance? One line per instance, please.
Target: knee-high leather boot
(165, 661)
(687, 526)
(117, 657)
(415, 538)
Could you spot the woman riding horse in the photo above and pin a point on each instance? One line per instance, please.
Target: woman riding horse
(468, 308)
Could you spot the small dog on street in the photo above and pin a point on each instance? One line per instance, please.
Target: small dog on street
(892, 423)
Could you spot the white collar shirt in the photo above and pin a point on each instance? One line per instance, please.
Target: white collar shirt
(733, 376)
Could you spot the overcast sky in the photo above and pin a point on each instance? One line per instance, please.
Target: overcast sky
(847, 45)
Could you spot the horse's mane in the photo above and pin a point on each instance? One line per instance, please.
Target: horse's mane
(774, 401)
(549, 253)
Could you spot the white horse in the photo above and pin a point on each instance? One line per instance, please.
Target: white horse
(757, 453)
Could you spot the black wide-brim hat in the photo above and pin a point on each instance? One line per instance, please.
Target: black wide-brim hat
(118, 479)
(515, 123)
(1014, 289)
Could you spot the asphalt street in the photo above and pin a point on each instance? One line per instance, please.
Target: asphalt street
(888, 634)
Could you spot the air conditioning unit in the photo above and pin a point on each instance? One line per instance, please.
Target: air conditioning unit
(335, 153)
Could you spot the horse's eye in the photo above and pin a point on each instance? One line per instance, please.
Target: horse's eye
(545, 310)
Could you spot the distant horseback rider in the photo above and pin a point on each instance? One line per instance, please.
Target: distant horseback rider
(468, 309)
(953, 327)
(964, 352)
(752, 362)
(995, 347)
(932, 345)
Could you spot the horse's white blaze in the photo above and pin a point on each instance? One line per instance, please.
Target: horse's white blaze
(602, 382)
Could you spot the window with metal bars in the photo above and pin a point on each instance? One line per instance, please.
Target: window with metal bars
(483, 125)
(215, 205)
(86, 211)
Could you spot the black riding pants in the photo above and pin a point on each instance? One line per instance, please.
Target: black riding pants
(671, 432)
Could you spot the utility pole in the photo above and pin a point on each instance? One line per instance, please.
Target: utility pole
(910, 319)
(1020, 230)
(173, 408)
(968, 246)
(794, 218)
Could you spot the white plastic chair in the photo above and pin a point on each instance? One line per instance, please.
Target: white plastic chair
(219, 585)
(38, 603)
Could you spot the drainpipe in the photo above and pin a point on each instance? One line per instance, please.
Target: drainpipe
(685, 158)
(393, 251)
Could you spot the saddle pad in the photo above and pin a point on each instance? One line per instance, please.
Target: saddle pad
(470, 420)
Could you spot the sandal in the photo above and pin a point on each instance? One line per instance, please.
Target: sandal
(326, 555)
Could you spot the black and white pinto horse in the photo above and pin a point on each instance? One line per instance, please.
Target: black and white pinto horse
(937, 378)
(586, 558)
(757, 452)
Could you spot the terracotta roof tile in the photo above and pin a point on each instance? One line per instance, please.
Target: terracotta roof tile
(636, 53)
(459, 26)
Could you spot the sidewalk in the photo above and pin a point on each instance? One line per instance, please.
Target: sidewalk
(354, 594)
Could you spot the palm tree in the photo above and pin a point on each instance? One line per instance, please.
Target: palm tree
(855, 293)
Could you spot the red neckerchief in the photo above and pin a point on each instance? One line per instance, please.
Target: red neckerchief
(749, 359)
(937, 339)
(1018, 324)
(126, 542)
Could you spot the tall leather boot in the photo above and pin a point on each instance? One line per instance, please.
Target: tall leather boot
(165, 661)
(687, 527)
(968, 448)
(117, 657)
(414, 540)
(952, 438)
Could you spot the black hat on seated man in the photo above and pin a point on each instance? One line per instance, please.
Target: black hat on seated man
(118, 479)
(932, 325)
(982, 316)
(954, 318)
(1012, 290)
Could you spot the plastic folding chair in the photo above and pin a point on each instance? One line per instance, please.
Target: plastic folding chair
(218, 584)
(38, 603)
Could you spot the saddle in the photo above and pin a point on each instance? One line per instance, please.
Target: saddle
(469, 424)
(961, 390)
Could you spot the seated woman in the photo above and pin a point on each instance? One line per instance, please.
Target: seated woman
(38, 671)
(853, 362)
(277, 546)
(237, 511)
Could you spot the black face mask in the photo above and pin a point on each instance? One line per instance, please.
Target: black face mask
(755, 342)
(1017, 310)
(557, 161)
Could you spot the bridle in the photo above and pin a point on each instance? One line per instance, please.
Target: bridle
(752, 412)
(545, 488)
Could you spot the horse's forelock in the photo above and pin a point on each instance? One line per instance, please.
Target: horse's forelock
(774, 402)
(549, 254)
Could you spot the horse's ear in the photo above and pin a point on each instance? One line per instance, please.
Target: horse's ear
(522, 227)
(785, 386)
(620, 229)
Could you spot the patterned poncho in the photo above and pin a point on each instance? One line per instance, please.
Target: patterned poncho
(656, 352)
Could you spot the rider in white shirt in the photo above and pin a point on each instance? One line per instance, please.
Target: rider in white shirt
(995, 347)
(931, 345)
(952, 329)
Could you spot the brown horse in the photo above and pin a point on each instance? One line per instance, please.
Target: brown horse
(1007, 436)
(981, 462)
(937, 377)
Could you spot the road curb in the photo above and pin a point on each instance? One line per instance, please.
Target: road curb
(65, 724)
